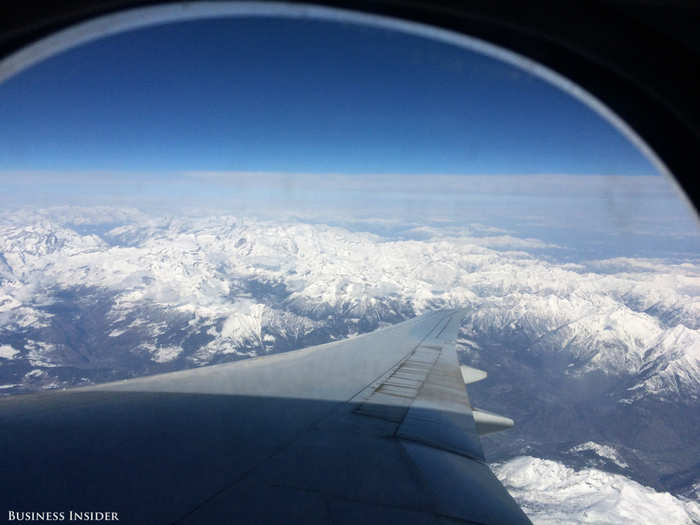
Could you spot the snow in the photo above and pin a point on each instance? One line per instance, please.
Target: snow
(40, 353)
(36, 374)
(161, 354)
(244, 323)
(8, 352)
(165, 354)
(552, 493)
(603, 451)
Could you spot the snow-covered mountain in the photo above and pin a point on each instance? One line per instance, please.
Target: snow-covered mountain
(672, 365)
(597, 361)
(230, 278)
(550, 492)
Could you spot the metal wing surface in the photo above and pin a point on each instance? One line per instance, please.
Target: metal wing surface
(374, 429)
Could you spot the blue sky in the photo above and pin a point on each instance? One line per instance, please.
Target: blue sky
(330, 122)
(296, 96)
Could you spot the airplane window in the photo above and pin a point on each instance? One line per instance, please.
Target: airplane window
(205, 191)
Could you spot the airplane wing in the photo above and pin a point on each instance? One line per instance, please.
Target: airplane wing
(374, 429)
